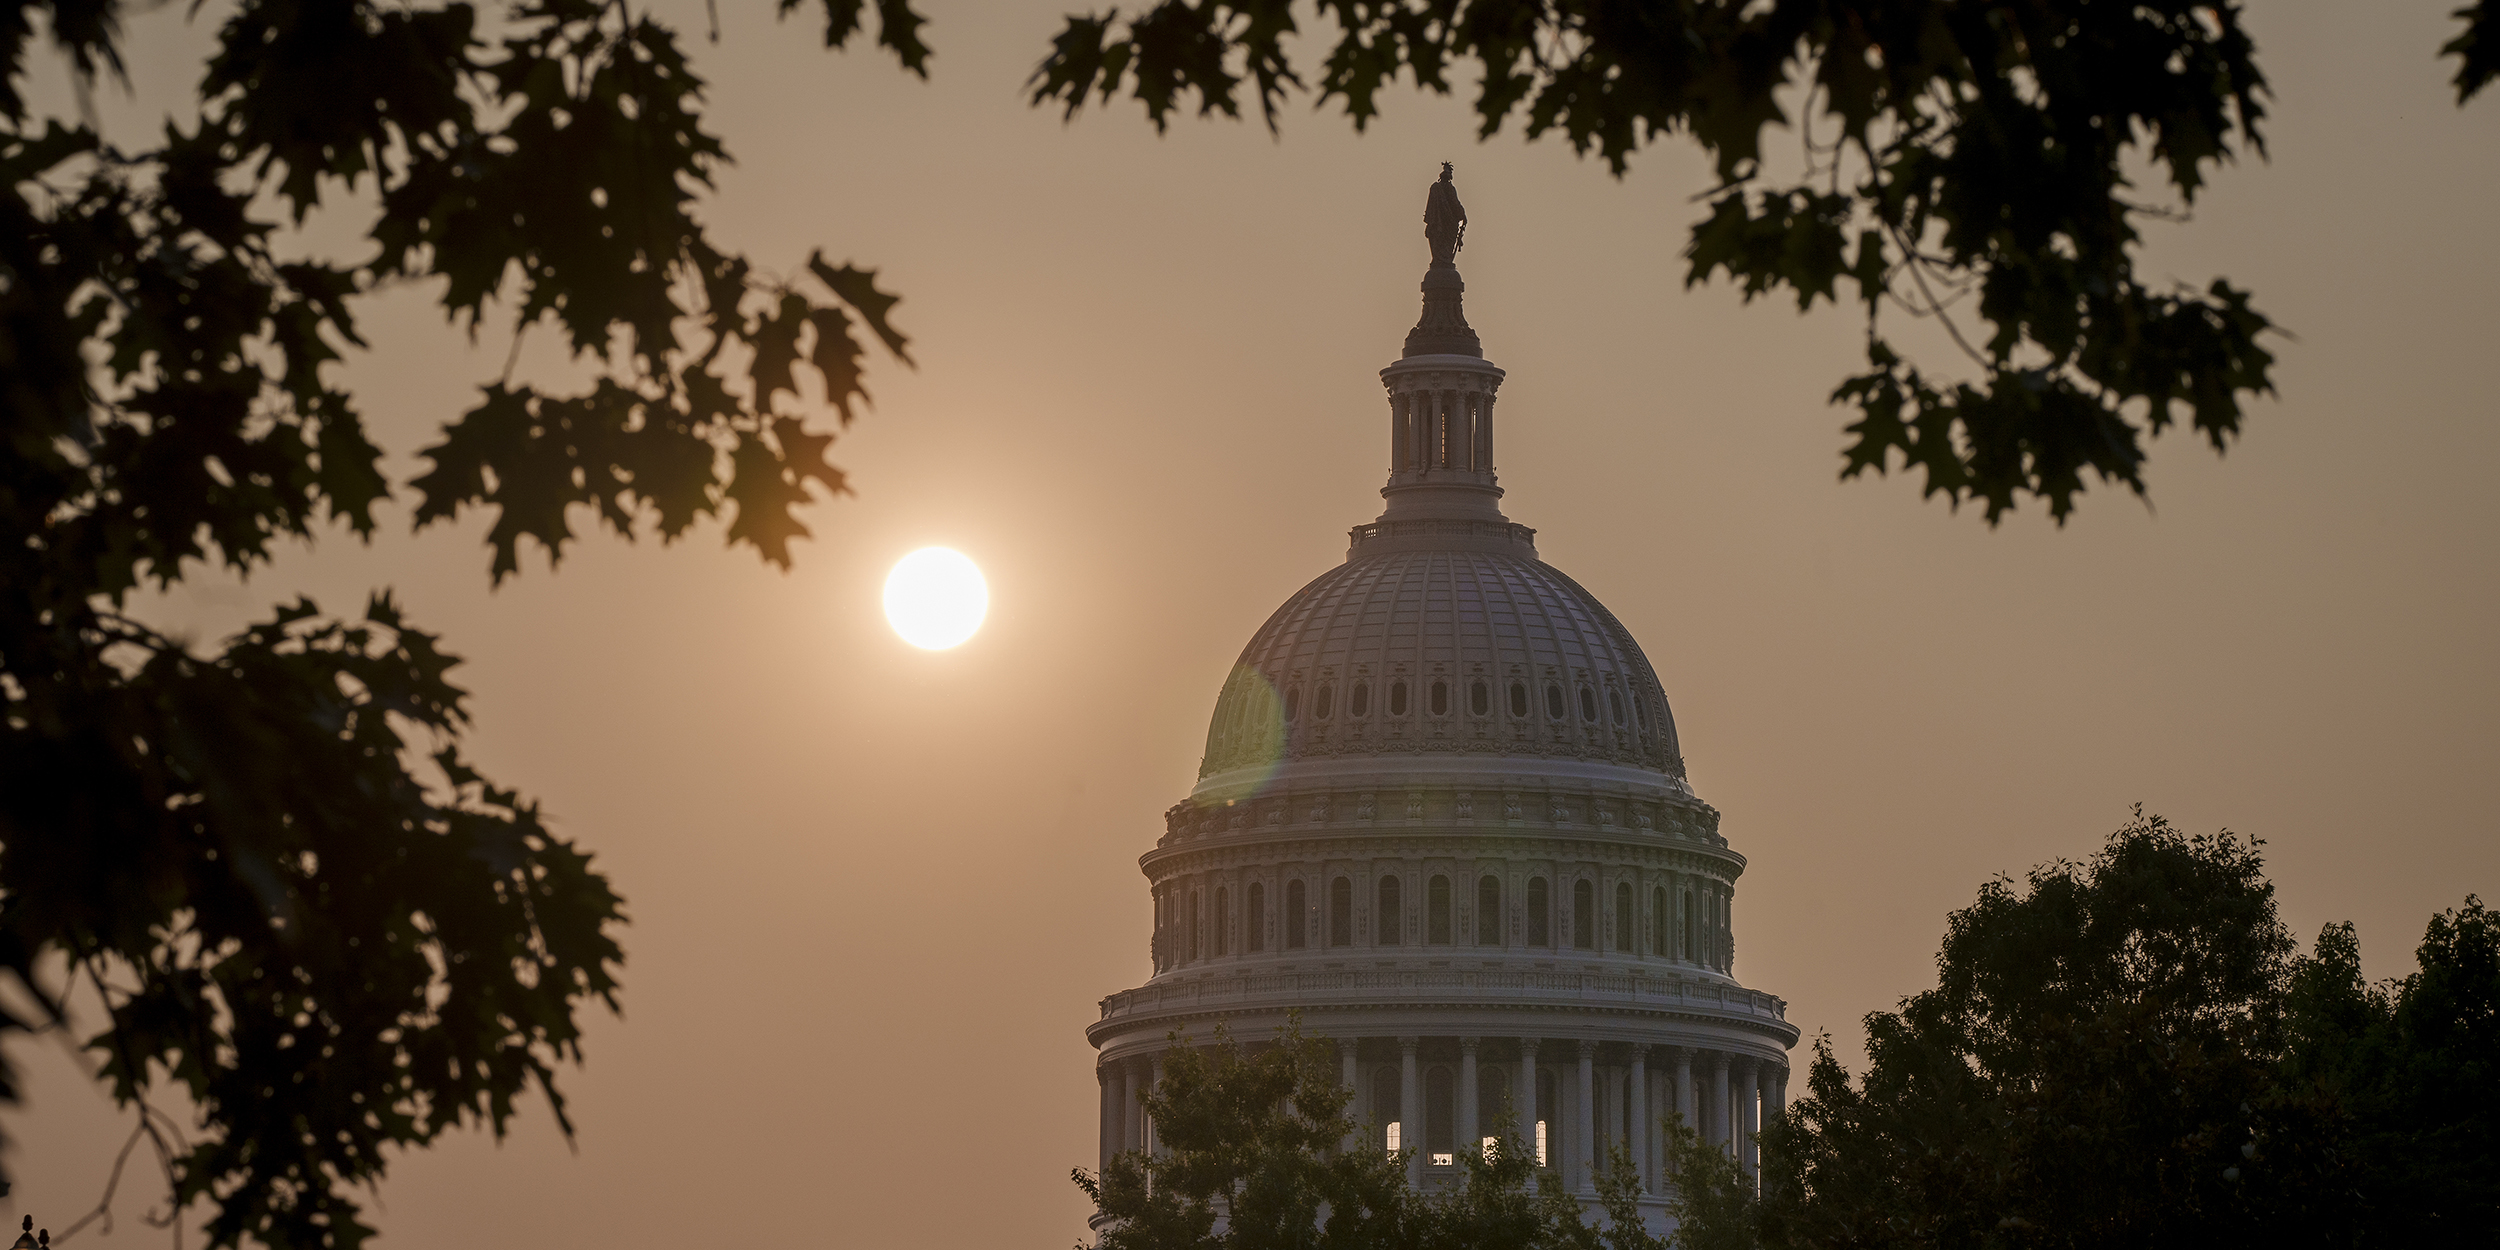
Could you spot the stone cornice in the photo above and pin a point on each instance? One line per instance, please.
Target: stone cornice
(1652, 997)
(1495, 803)
(1457, 846)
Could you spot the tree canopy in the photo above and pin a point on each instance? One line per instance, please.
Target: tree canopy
(296, 900)
(1964, 161)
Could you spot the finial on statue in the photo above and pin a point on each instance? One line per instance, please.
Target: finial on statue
(1445, 219)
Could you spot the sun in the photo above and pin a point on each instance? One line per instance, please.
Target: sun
(935, 598)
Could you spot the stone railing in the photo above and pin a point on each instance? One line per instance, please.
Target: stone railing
(1666, 815)
(1251, 989)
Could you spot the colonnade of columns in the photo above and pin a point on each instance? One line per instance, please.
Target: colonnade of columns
(1440, 429)
(1607, 1094)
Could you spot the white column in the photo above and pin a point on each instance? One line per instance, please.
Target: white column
(1107, 1137)
(1410, 1110)
(1718, 1112)
(1469, 1136)
(1685, 1103)
(1154, 1081)
(1132, 1111)
(1345, 1055)
(1584, 1134)
(1748, 1114)
(1523, 1099)
(1638, 1136)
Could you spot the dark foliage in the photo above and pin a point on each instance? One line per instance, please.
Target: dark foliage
(298, 904)
(1961, 159)
(1249, 1160)
(2127, 1053)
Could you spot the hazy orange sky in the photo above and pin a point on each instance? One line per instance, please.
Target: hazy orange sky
(876, 892)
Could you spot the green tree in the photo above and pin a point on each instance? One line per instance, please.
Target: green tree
(2413, 1069)
(2097, 1066)
(1248, 1158)
(1958, 160)
(269, 860)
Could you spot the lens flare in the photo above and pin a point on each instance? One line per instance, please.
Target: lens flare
(935, 598)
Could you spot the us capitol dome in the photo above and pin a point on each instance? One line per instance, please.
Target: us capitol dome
(1443, 814)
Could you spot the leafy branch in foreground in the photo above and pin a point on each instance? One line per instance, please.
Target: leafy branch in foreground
(299, 904)
(1964, 161)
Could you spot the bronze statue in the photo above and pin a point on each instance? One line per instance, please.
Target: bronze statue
(1445, 219)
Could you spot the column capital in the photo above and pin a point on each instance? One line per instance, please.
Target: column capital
(1640, 1051)
(1407, 1045)
(1467, 1045)
(1719, 1060)
(1527, 1047)
(1588, 1048)
(1347, 1045)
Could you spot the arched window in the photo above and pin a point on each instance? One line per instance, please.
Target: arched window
(1341, 912)
(1387, 928)
(1540, 919)
(1489, 910)
(1588, 704)
(1583, 914)
(1479, 699)
(1320, 702)
(1553, 701)
(1625, 918)
(1689, 949)
(1295, 921)
(1293, 701)
(1440, 698)
(1519, 699)
(1360, 702)
(1658, 922)
(1192, 933)
(1397, 698)
(1614, 701)
(1223, 922)
(1254, 917)
(1440, 1116)
(1387, 1092)
(1437, 912)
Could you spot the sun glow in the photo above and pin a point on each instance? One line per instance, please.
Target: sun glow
(935, 598)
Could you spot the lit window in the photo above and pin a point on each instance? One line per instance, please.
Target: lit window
(1492, 1148)
(1540, 1143)
(1393, 1137)
(1442, 1161)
